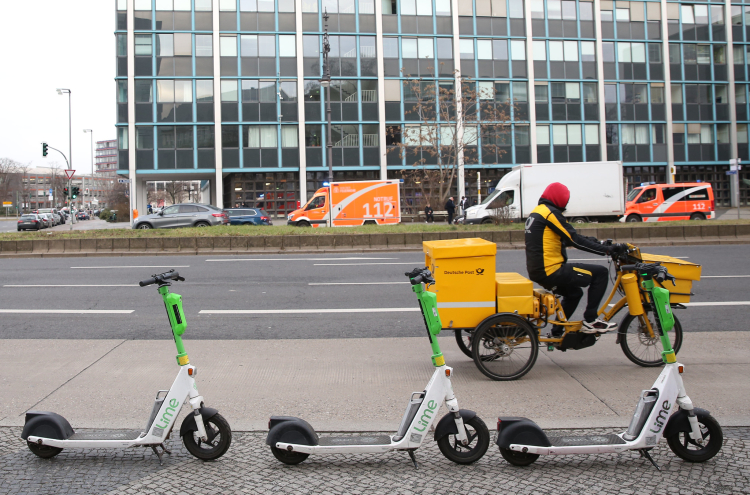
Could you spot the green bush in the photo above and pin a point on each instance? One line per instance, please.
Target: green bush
(105, 214)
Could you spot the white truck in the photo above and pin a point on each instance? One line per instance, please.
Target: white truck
(597, 192)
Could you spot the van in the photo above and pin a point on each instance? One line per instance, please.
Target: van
(664, 202)
(375, 202)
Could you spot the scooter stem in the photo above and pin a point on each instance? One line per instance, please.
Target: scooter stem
(428, 302)
(173, 304)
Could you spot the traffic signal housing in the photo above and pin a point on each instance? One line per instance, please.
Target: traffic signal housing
(75, 192)
(44, 149)
(65, 192)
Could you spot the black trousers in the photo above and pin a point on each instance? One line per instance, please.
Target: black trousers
(568, 282)
(429, 217)
(450, 217)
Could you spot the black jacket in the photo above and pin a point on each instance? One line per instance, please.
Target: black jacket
(450, 207)
(547, 236)
(428, 210)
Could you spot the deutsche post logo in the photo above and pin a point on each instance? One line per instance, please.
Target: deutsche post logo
(480, 271)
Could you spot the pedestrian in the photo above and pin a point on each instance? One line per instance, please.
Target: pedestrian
(150, 209)
(428, 214)
(463, 203)
(450, 207)
(474, 203)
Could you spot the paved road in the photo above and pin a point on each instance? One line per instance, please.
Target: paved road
(283, 283)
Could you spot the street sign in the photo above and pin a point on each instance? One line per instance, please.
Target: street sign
(50, 192)
(8, 204)
(731, 172)
(123, 181)
(69, 173)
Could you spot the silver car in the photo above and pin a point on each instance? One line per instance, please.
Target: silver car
(183, 215)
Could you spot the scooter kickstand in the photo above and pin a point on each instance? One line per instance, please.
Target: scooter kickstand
(413, 459)
(165, 449)
(158, 454)
(644, 453)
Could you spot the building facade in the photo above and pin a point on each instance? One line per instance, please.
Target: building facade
(229, 90)
(106, 157)
(45, 188)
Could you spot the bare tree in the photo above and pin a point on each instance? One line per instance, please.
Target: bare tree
(177, 191)
(436, 140)
(9, 180)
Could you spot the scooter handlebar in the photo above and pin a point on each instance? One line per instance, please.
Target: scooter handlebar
(162, 278)
(420, 275)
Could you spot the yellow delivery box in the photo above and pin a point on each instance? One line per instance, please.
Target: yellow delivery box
(514, 293)
(464, 271)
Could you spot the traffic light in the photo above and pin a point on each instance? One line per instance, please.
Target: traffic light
(65, 192)
(75, 192)
(44, 149)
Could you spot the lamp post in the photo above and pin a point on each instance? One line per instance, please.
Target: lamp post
(90, 131)
(62, 91)
(325, 82)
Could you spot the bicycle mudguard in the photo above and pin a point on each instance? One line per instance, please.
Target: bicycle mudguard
(520, 431)
(46, 425)
(447, 424)
(679, 422)
(289, 429)
(188, 424)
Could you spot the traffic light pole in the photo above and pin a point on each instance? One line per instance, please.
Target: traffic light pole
(70, 187)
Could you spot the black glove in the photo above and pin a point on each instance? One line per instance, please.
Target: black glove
(617, 249)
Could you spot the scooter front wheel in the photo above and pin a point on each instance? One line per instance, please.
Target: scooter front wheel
(686, 448)
(287, 457)
(479, 441)
(219, 438)
(43, 451)
(518, 458)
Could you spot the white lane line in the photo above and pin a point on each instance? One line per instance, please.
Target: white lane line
(123, 266)
(357, 283)
(725, 276)
(723, 303)
(70, 311)
(604, 258)
(299, 259)
(301, 311)
(361, 264)
(112, 285)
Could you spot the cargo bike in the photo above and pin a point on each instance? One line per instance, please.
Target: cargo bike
(500, 320)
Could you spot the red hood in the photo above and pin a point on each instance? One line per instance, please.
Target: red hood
(558, 194)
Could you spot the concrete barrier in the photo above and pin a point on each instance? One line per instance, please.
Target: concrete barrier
(645, 235)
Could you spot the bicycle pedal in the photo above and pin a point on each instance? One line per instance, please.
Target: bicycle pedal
(550, 348)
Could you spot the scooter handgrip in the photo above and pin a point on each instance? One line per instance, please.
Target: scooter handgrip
(144, 283)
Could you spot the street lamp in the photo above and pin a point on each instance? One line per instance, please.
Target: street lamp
(62, 91)
(91, 131)
(325, 82)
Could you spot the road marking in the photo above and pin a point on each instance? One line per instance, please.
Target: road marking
(724, 303)
(128, 266)
(725, 276)
(607, 259)
(70, 311)
(113, 285)
(361, 264)
(357, 283)
(301, 311)
(299, 259)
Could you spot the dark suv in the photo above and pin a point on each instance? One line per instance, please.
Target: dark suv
(248, 216)
(183, 215)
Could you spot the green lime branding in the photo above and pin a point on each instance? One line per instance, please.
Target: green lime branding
(662, 417)
(427, 416)
(169, 413)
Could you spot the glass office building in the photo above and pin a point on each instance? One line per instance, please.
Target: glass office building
(229, 90)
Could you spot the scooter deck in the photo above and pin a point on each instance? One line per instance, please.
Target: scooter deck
(578, 441)
(105, 435)
(355, 440)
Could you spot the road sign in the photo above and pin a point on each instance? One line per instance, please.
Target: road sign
(123, 181)
(69, 173)
(731, 172)
(8, 204)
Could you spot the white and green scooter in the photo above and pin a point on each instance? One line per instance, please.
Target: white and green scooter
(461, 435)
(205, 433)
(665, 410)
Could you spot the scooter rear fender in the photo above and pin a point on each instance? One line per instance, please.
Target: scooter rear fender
(521, 431)
(447, 424)
(288, 429)
(188, 424)
(46, 425)
(679, 422)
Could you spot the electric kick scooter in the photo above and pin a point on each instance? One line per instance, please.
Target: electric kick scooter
(205, 433)
(663, 411)
(461, 435)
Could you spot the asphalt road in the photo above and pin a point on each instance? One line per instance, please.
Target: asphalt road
(284, 284)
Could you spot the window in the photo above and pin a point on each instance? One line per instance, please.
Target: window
(517, 48)
(228, 46)
(143, 44)
(203, 45)
(204, 91)
(228, 91)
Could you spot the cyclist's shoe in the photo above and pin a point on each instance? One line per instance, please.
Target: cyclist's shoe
(557, 331)
(598, 326)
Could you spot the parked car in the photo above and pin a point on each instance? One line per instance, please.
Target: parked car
(48, 220)
(30, 221)
(58, 217)
(183, 215)
(248, 216)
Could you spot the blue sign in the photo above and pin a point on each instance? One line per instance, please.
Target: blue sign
(50, 191)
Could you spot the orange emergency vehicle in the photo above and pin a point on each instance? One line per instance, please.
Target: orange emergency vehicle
(354, 203)
(664, 202)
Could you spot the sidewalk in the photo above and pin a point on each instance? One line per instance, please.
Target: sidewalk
(353, 384)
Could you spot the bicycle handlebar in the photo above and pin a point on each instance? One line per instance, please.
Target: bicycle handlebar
(653, 270)
(162, 278)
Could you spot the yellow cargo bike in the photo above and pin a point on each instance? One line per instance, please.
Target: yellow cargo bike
(499, 318)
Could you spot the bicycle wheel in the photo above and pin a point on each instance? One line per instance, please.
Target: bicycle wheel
(639, 346)
(463, 339)
(688, 449)
(505, 347)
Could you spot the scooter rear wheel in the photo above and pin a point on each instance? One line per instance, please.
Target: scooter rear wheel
(291, 458)
(518, 458)
(684, 447)
(479, 441)
(219, 439)
(43, 451)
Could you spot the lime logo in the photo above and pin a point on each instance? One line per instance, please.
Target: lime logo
(662, 417)
(427, 415)
(169, 413)
(480, 271)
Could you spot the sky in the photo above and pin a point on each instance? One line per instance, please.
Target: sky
(49, 44)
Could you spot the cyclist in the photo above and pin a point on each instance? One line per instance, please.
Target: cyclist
(547, 236)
